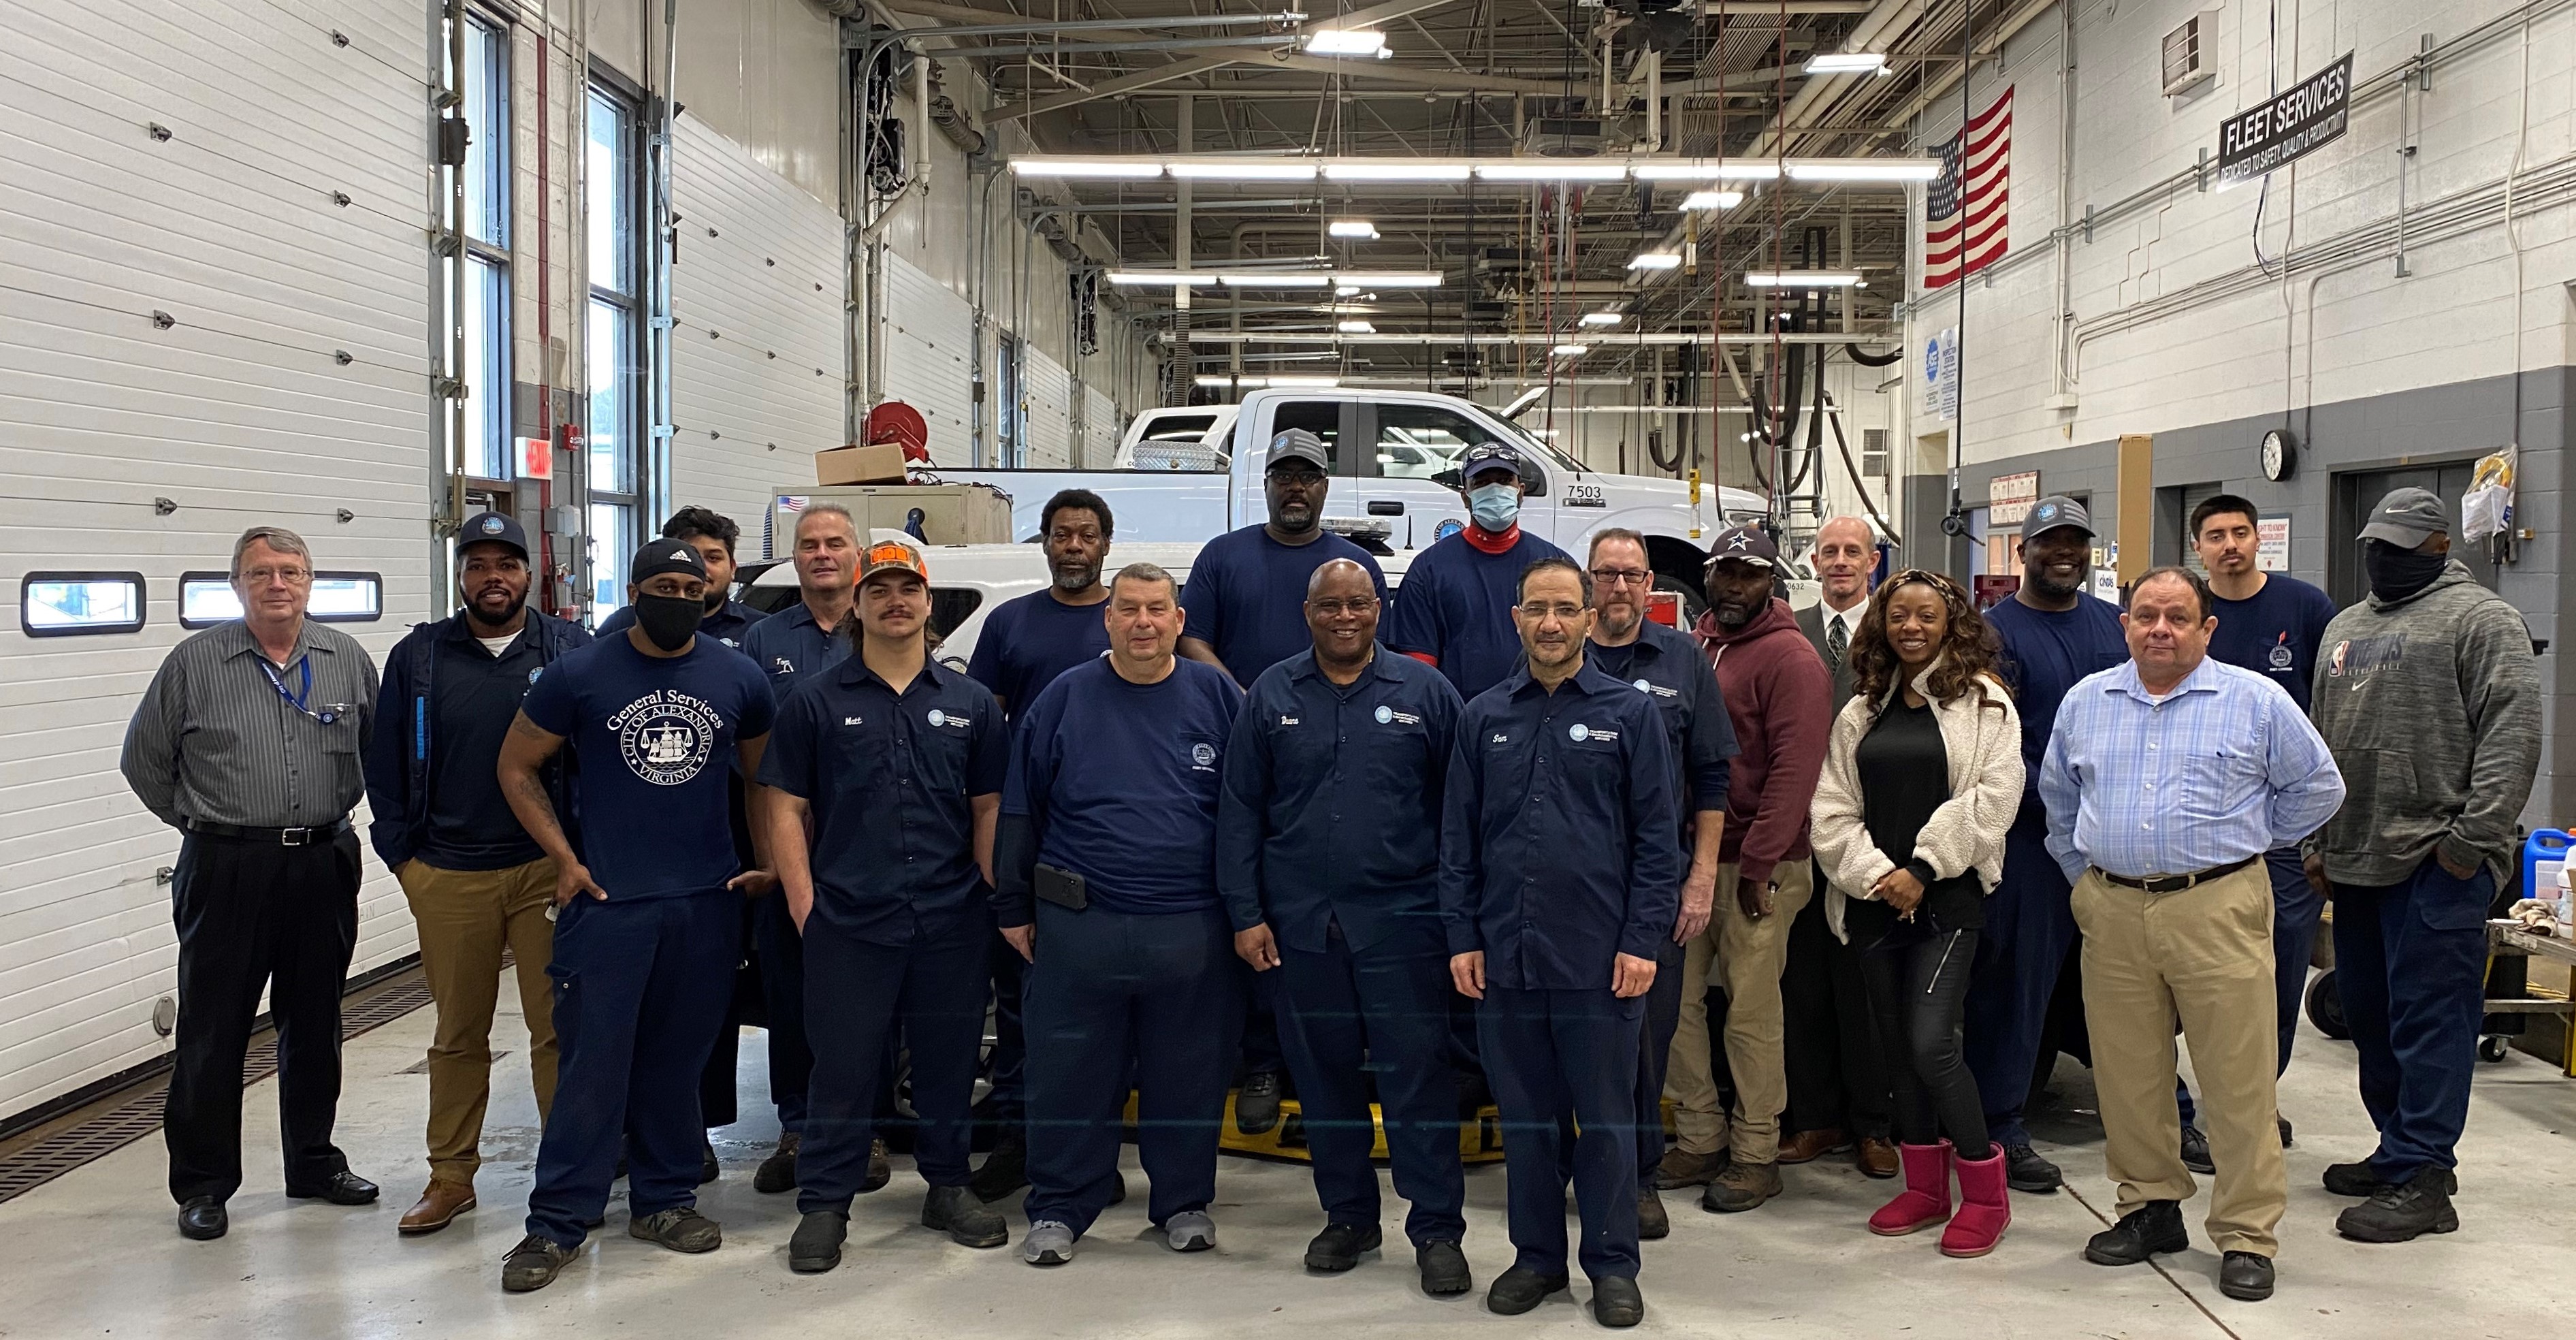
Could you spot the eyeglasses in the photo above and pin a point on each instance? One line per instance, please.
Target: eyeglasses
(1335, 608)
(291, 576)
(1540, 609)
(1621, 576)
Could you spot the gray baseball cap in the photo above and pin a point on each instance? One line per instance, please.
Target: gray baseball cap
(2407, 518)
(1297, 444)
(2054, 511)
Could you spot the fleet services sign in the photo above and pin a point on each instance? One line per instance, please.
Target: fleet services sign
(2275, 133)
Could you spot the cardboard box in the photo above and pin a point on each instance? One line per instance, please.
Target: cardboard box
(882, 464)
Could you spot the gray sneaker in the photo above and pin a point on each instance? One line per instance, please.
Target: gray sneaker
(1190, 1231)
(680, 1228)
(1047, 1243)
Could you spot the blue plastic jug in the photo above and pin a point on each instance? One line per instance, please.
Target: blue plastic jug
(2547, 846)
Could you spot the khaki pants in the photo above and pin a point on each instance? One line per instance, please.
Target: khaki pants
(2202, 956)
(1742, 956)
(465, 919)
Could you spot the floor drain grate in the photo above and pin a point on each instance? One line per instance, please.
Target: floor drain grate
(110, 1129)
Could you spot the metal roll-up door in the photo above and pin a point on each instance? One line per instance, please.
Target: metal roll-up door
(929, 333)
(1046, 406)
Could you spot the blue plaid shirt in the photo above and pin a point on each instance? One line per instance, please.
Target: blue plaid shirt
(2224, 768)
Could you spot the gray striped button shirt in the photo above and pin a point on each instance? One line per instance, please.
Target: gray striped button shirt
(216, 741)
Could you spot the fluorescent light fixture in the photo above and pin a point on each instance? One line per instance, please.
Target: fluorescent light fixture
(1168, 278)
(1346, 42)
(1674, 169)
(1549, 169)
(1359, 228)
(1802, 278)
(1243, 169)
(1544, 432)
(1308, 383)
(1523, 401)
(1846, 62)
(1395, 169)
(1748, 169)
(1356, 328)
(1279, 279)
(1571, 350)
(1220, 383)
(1655, 260)
(1388, 278)
(1346, 290)
(1602, 318)
(1864, 169)
(1122, 169)
(1712, 199)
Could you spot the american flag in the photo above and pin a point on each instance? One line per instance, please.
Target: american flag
(1952, 249)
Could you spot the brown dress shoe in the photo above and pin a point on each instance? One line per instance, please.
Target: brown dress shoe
(1808, 1146)
(1875, 1155)
(438, 1207)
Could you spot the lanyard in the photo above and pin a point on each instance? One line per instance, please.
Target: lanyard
(304, 693)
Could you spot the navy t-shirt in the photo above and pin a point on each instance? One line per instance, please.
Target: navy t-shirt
(1456, 606)
(1247, 596)
(2045, 652)
(1122, 780)
(1029, 640)
(2276, 634)
(475, 696)
(655, 738)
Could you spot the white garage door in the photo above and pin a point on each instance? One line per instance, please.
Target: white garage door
(1046, 406)
(174, 311)
(1100, 428)
(929, 332)
(758, 353)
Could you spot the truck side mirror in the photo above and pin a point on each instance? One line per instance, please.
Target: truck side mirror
(1450, 479)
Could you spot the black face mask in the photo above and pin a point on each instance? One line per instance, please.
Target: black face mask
(2398, 573)
(668, 621)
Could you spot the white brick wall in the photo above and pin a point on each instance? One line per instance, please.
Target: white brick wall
(2320, 337)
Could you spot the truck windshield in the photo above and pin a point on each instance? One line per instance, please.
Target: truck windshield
(1531, 442)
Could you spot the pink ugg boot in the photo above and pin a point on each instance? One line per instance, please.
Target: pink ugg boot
(1925, 1201)
(1983, 1212)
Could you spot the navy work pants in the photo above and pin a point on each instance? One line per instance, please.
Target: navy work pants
(1383, 1013)
(1112, 994)
(2030, 927)
(782, 992)
(1551, 1055)
(1654, 1056)
(1009, 1097)
(2410, 964)
(858, 994)
(640, 989)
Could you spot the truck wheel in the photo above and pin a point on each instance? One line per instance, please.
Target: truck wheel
(2325, 1007)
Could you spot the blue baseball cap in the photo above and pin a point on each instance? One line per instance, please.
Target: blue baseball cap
(1488, 456)
(491, 528)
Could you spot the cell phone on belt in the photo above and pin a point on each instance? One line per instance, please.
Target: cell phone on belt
(1063, 888)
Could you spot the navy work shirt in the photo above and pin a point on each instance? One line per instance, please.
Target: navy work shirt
(789, 646)
(655, 736)
(1666, 665)
(889, 777)
(1456, 607)
(2045, 652)
(2275, 634)
(1247, 596)
(1029, 640)
(1331, 812)
(1120, 781)
(474, 697)
(1558, 845)
(728, 625)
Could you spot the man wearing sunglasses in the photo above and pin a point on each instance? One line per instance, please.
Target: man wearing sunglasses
(247, 743)
(1664, 664)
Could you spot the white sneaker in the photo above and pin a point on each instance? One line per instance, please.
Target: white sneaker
(1048, 1243)
(1190, 1231)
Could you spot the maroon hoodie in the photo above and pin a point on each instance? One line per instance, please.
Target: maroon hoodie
(1781, 699)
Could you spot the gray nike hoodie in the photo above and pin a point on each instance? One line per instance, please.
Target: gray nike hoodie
(2431, 705)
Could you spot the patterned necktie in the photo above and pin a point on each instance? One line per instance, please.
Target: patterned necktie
(1836, 643)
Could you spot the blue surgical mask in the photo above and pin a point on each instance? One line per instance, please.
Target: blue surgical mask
(1495, 506)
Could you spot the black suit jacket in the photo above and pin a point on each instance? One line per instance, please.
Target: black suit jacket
(1811, 621)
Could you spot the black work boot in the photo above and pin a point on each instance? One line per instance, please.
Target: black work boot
(1338, 1247)
(2153, 1227)
(1652, 1222)
(816, 1247)
(2195, 1152)
(2245, 1276)
(1443, 1268)
(2403, 1212)
(2026, 1172)
(778, 1172)
(1256, 1104)
(1005, 1170)
(1518, 1290)
(967, 1220)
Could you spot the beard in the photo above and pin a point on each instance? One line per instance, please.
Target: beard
(1073, 581)
(2041, 583)
(716, 597)
(474, 612)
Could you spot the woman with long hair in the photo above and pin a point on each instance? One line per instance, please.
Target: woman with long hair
(1922, 777)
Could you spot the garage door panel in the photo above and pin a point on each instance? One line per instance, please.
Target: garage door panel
(929, 334)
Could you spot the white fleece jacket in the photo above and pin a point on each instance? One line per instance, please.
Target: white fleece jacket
(1965, 833)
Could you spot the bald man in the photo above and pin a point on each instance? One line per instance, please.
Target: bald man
(1838, 1092)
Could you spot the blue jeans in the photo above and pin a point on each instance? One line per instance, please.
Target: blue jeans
(2410, 965)
(640, 992)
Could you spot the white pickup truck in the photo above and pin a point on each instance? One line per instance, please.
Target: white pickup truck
(1389, 450)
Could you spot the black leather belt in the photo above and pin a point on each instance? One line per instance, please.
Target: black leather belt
(283, 837)
(2178, 883)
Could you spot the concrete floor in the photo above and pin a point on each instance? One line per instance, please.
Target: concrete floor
(95, 1253)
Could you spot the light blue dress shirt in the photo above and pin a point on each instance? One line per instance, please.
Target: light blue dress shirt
(2224, 768)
